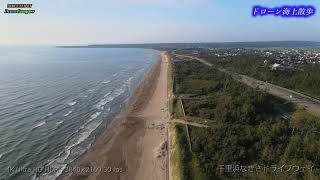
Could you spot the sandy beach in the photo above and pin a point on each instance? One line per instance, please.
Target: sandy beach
(135, 144)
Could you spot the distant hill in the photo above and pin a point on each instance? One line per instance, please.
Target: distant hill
(261, 44)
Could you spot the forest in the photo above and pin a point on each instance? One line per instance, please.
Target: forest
(250, 135)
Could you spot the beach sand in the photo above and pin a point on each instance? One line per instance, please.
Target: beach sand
(135, 144)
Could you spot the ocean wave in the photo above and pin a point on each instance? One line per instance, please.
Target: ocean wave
(106, 95)
(72, 103)
(21, 96)
(49, 114)
(21, 103)
(54, 106)
(92, 117)
(89, 128)
(68, 113)
(59, 162)
(115, 74)
(85, 130)
(119, 91)
(129, 81)
(40, 124)
(91, 90)
(84, 96)
(59, 122)
(109, 97)
(106, 82)
(100, 105)
(7, 152)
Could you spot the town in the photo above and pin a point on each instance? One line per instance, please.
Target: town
(277, 57)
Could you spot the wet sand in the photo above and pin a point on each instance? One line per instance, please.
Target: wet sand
(135, 144)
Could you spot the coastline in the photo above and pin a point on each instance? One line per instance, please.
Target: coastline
(134, 145)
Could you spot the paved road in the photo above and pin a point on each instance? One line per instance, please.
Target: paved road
(311, 104)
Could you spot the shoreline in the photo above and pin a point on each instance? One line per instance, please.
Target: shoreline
(131, 142)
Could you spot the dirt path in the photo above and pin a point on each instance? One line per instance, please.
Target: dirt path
(180, 121)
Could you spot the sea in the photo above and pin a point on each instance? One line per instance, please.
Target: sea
(55, 102)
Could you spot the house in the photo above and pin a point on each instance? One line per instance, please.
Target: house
(275, 66)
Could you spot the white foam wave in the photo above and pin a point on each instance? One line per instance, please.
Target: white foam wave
(129, 80)
(91, 90)
(90, 127)
(68, 113)
(59, 162)
(108, 98)
(53, 174)
(120, 91)
(40, 124)
(5, 153)
(94, 116)
(115, 74)
(61, 170)
(106, 95)
(59, 122)
(106, 82)
(84, 95)
(100, 105)
(72, 103)
(86, 130)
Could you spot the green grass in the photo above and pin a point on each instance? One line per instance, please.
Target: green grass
(183, 163)
(199, 120)
(170, 78)
(185, 154)
(170, 106)
(177, 109)
(305, 120)
(174, 154)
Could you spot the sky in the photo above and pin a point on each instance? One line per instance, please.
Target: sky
(79, 22)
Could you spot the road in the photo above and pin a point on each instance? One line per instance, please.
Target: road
(311, 104)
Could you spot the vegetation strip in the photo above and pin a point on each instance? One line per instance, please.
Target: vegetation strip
(248, 128)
